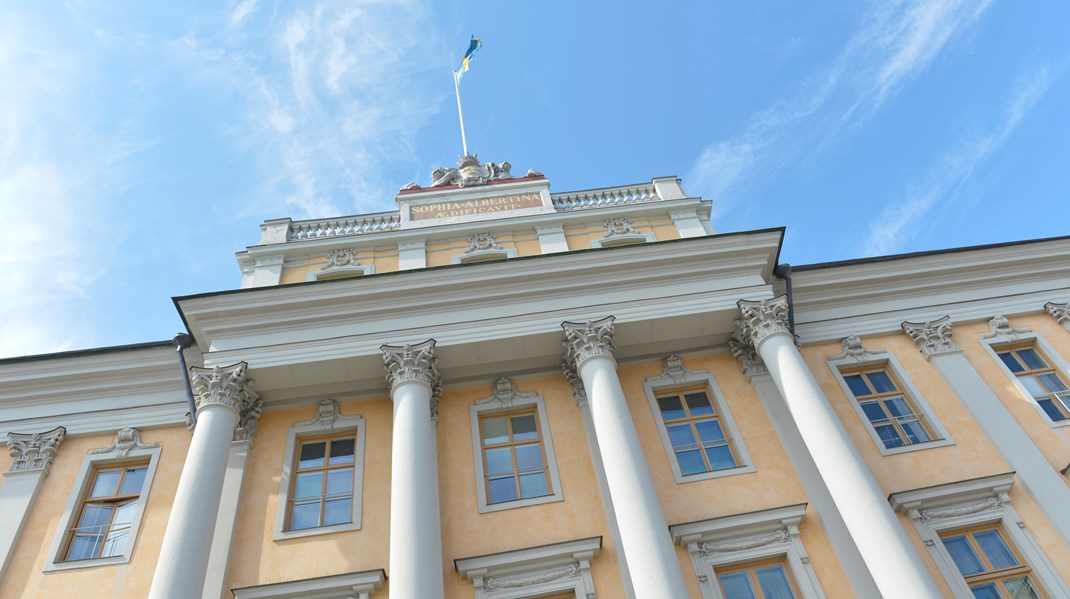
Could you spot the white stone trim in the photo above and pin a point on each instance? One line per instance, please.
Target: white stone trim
(507, 398)
(734, 540)
(267, 271)
(412, 255)
(477, 255)
(356, 585)
(118, 453)
(856, 355)
(674, 375)
(688, 223)
(626, 239)
(215, 578)
(328, 419)
(993, 342)
(552, 239)
(970, 503)
(533, 572)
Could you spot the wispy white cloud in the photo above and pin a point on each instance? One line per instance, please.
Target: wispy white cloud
(895, 43)
(898, 222)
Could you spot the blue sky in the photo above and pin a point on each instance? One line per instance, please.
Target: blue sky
(142, 143)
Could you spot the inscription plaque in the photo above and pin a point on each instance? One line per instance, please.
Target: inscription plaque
(480, 206)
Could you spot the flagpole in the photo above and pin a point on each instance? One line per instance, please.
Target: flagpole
(460, 111)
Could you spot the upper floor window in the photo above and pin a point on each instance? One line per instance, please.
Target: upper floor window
(764, 580)
(699, 440)
(102, 528)
(890, 412)
(322, 493)
(1039, 378)
(991, 567)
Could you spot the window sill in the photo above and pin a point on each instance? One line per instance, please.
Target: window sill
(508, 505)
(312, 532)
(916, 447)
(1058, 423)
(690, 478)
(87, 563)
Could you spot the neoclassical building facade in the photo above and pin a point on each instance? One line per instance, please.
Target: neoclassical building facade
(502, 392)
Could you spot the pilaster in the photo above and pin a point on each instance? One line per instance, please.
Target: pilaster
(32, 456)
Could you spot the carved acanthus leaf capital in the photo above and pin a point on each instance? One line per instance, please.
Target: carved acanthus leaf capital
(407, 362)
(931, 338)
(34, 451)
(760, 319)
(1060, 312)
(748, 357)
(587, 340)
(228, 386)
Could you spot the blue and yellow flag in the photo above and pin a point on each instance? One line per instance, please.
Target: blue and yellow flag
(473, 46)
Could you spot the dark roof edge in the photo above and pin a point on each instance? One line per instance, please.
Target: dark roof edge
(85, 352)
(891, 257)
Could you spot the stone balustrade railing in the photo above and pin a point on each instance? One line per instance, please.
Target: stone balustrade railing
(379, 222)
(605, 197)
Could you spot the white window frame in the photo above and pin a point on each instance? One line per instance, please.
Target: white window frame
(993, 342)
(328, 420)
(126, 449)
(745, 538)
(967, 504)
(675, 376)
(341, 272)
(507, 398)
(609, 241)
(533, 572)
(855, 355)
(356, 585)
(479, 255)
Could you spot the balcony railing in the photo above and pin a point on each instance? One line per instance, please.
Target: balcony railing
(605, 197)
(340, 227)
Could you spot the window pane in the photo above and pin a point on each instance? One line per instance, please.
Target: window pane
(135, 478)
(736, 586)
(1021, 588)
(524, 428)
(690, 462)
(889, 436)
(84, 546)
(997, 552)
(881, 382)
(985, 591)
(873, 411)
(774, 583)
(502, 489)
(963, 555)
(681, 437)
(312, 454)
(698, 403)
(1052, 381)
(1033, 386)
(494, 431)
(857, 385)
(1031, 358)
(339, 482)
(115, 542)
(915, 431)
(1051, 409)
(305, 515)
(1011, 362)
(720, 457)
(897, 407)
(528, 457)
(309, 484)
(670, 407)
(106, 483)
(338, 511)
(342, 451)
(710, 431)
(95, 518)
(533, 485)
(499, 460)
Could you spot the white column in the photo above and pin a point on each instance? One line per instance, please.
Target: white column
(1040, 480)
(415, 524)
(215, 581)
(224, 400)
(33, 455)
(896, 567)
(652, 564)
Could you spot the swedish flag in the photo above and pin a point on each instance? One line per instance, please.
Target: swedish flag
(473, 46)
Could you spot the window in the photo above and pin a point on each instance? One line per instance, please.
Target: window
(889, 411)
(322, 474)
(100, 522)
(514, 454)
(322, 493)
(514, 466)
(765, 580)
(699, 442)
(700, 438)
(107, 513)
(1040, 380)
(990, 566)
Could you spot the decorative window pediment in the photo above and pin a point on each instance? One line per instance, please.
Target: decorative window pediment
(534, 572)
(356, 585)
(341, 263)
(621, 231)
(483, 247)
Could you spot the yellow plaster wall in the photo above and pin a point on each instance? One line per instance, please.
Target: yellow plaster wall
(1053, 442)
(774, 484)
(258, 559)
(25, 578)
(972, 455)
(467, 533)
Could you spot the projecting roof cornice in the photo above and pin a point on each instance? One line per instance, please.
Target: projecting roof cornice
(836, 300)
(485, 316)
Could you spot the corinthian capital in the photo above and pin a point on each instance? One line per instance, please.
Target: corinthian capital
(412, 363)
(228, 386)
(933, 337)
(584, 340)
(1060, 312)
(760, 319)
(34, 451)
